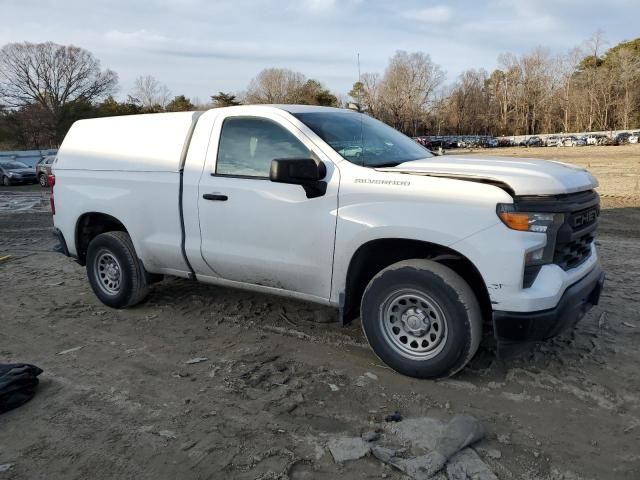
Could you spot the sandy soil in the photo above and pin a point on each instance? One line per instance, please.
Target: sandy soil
(118, 400)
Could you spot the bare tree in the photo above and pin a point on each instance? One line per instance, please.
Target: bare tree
(55, 78)
(468, 103)
(150, 93)
(367, 92)
(275, 85)
(626, 65)
(407, 87)
(537, 84)
(51, 75)
(566, 68)
(590, 75)
(404, 94)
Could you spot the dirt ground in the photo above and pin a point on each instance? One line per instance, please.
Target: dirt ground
(119, 400)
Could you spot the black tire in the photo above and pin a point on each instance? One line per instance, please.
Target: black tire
(434, 296)
(115, 273)
(43, 180)
(6, 181)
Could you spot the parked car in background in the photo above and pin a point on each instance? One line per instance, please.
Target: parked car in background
(596, 139)
(581, 141)
(566, 142)
(572, 141)
(43, 170)
(621, 138)
(633, 138)
(12, 173)
(534, 142)
(552, 141)
(421, 140)
(436, 146)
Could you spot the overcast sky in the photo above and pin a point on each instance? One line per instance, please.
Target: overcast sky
(199, 47)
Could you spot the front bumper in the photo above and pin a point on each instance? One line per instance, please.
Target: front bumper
(539, 325)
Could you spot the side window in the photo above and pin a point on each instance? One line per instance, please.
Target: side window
(248, 144)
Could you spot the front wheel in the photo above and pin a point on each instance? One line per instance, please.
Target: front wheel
(115, 273)
(421, 318)
(6, 181)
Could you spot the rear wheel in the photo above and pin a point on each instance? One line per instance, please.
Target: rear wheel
(421, 318)
(42, 179)
(115, 273)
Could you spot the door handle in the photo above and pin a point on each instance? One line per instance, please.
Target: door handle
(215, 196)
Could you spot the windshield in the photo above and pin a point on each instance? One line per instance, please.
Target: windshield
(363, 140)
(13, 165)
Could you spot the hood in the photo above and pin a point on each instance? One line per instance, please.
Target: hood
(524, 176)
(21, 171)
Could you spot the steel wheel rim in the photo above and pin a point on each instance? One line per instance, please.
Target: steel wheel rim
(108, 272)
(43, 181)
(413, 324)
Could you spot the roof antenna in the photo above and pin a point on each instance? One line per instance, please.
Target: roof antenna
(358, 105)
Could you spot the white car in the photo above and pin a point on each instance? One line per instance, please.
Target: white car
(633, 138)
(552, 141)
(593, 139)
(331, 206)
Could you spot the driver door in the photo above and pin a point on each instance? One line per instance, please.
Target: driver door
(260, 232)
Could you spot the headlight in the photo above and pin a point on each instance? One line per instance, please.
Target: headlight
(540, 222)
(12, 174)
(529, 221)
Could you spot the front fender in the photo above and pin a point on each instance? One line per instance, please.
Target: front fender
(439, 211)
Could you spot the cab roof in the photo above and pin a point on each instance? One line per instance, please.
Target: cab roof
(295, 108)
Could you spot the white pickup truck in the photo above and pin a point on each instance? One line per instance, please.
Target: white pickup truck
(334, 207)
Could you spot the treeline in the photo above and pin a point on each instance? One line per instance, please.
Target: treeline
(586, 89)
(45, 87)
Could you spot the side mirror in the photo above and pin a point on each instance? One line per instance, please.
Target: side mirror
(300, 171)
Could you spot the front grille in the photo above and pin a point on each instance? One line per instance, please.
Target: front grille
(571, 242)
(573, 253)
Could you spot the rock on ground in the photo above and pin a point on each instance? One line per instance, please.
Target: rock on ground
(467, 465)
(348, 448)
(459, 433)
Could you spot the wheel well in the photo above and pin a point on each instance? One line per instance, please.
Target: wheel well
(89, 226)
(376, 255)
